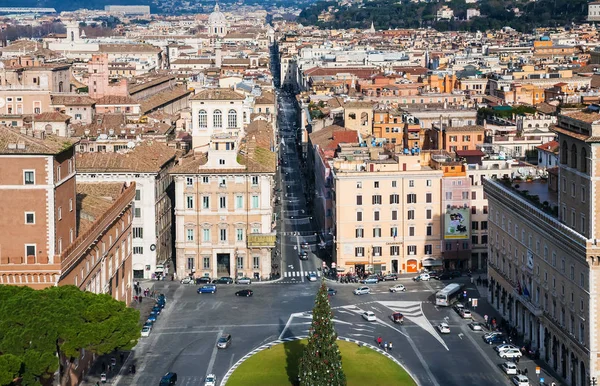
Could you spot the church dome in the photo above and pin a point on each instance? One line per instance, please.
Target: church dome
(216, 17)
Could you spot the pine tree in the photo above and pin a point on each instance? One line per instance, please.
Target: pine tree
(321, 361)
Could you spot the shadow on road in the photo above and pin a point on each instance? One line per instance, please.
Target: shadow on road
(293, 352)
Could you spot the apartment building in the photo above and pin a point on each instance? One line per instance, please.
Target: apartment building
(543, 254)
(148, 165)
(26, 85)
(224, 204)
(55, 232)
(387, 211)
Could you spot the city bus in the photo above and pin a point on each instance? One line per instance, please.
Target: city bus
(448, 295)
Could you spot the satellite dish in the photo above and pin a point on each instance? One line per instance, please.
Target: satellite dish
(130, 145)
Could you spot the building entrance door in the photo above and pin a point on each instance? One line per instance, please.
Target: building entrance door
(223, 264)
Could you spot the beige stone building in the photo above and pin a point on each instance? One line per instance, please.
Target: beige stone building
(543, 261)
(387, 211)
(223, 204)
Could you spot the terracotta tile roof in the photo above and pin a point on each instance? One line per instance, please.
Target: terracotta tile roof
(364, 73)
(162, 98)
(72, 100)
(13, 142)
(545, 108)
(146, 157)
(551, 147)
(469, 153)
(265, 98)
(93, 200)
(330, 137)
(358, 105)
(193, 61)
(238, 62)
(129, 48)
(584, 116)
(240, 36)
(218, 94)
(141, 83)
(476, 128)
(52, 116)
(116, 100)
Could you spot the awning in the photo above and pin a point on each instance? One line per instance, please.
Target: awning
(432, 263)
(356, 263)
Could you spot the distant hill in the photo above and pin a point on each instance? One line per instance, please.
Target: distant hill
(523, 15)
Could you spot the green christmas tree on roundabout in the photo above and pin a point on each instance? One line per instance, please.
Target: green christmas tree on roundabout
(321, 361)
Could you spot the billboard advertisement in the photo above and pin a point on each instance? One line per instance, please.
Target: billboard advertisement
(457, 223)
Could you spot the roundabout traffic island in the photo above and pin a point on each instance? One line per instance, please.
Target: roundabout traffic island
(278, 364)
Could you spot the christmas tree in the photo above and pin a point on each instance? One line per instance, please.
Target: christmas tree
(321, 361)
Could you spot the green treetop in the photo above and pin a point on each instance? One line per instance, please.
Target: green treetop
(321, 362)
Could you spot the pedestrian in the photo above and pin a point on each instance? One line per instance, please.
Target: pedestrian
(471, 280)
(379, 340)
(108, 367)
(133, 369)
(525, 371)
(385, 346)
(140, 299)
(390, 346)
(516, 359)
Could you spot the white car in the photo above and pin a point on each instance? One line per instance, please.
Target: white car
(443, 328)
(369, 316)
(476, 326)
(510, 368)
(312, 277)
(504, 347)
(465, 314)
(520, 380)
(210, 380)
(146, 331)
(398, 288)
(425, 277)
(187, 280)
(362, 291)
(510, 353)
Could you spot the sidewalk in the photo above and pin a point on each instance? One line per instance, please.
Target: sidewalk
(525, 364)
(120, 359)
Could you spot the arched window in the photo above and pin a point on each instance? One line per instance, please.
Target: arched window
(202, 119)
(364, 119)
(583, 160)
(573, 156)
(217, 119)
(72, 36)
(564, 149)
(232, 119)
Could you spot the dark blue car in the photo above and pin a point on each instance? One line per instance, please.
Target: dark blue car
(207, 289)
(495, 339)
(153, 316)
(157, 309)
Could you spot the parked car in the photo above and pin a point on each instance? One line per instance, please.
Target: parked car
(245, 292)
(153, 316)
(203, 280)
(476, 326)
(369, 316)
(443, 276)
(443, 328)
(509, 368)
(362, 291)
(210, 380)
(169, 379)
(465, 314)
(331, 292)
(303, 255)
(187, 280)
(207, 289)
(510, 353)
(371, 280)
(223, 280)
(224, 341)
(520, 380)
(495, 339)
(146, 330)
(304, 245)
(243, 280)
(311, 277)
(422, 276)
(433, 274)
(148, 324)
(391, 276)
(398, 288)
(458, 307)
(157, 309)
(504, 347)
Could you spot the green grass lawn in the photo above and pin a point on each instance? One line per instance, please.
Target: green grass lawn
(279, 364)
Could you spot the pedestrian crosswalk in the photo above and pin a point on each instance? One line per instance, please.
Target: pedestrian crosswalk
(300, 273)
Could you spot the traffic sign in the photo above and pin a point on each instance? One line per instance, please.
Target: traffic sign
(474, 302)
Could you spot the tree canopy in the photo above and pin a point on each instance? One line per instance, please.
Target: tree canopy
(36, 326)
(321, 361)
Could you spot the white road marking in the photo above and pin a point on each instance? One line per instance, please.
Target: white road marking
(460, 335)
(213, 356)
